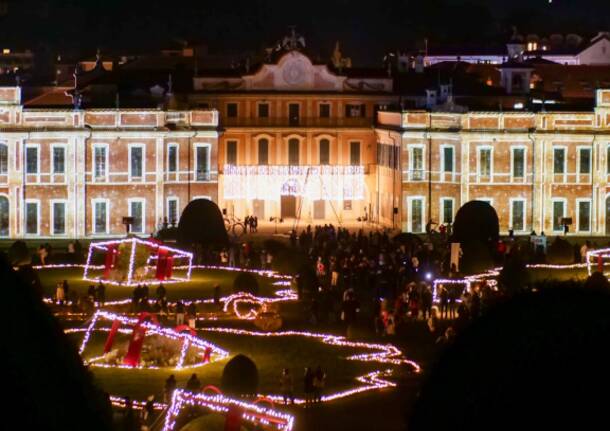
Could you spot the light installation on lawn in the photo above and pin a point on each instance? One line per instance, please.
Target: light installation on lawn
(251, 412)
(112, 248)
(188, 340)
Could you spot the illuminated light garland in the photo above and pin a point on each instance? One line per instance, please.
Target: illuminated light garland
(180, 254)
(138, 405)
(152, 328)
(598, 253)
(312, 182)
(252, 412)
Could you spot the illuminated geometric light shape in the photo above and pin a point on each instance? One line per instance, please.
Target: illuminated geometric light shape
(148, 271)
(251, 412)
(594, 257)
(206, 348)
(312, 182)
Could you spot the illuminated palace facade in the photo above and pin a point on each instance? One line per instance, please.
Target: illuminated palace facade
(533, 168)
(298, 140)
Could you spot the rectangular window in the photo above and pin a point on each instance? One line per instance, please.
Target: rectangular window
(584, 160)
(347, 205)
(448, 159)
(558, 214)
(59, 160)
(518, 158)
(608, 160)
(172, 158)
(485, 162)
(202, 163)
(263, 151)
(232, 110)
(354, 153)
(559, 160)
(231, 152)
(324, 151)
(99, 162)
(324, 110)
(353, 111)
(31, 218)
(293, 152)
(447, 211)
(31, 160)
(417, 163)
(517, 214)
(3, 159)
(59, 218)
(263, 110)
(417, 215)
(136, 210)
(100, 217)
(584, 216)
(172, 211)
(136, 162)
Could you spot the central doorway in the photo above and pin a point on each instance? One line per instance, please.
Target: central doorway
(288, 206)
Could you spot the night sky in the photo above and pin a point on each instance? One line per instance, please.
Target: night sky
(365, 29)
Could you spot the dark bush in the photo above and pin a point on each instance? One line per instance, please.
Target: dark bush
(245, 282)
(560, 252)
(597, 280)
(202, 223)
(240, 377)
(476, 257)
(18, 254)
(514, 276)
(476, 221)
(169, 233)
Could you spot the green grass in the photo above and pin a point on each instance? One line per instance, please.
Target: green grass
(201, 285)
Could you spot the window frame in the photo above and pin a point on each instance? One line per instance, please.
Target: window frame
(94, 177)
(196, 163)
(236, 109)
(258, 109)
(64, 149)
(410, 200)
(564, 149)
(320, 151)
(443, 159)
(513, 150)
(411, 164)
(444, 199)
(511, 219)
(142, 201)
(94, 203)
(130, 176)
(564, 202)
(351, 142)
(480, 149)
(8, 215)
(167, 212)
(52, 203)
(4, 144)
(258, 151)
(37, 148)
(174, 173)
(578, 202)
(25, 218)
(231, 141)
(579, 149)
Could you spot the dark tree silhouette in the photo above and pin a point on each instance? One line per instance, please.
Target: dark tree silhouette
(477, 257)
(45, 383)
(514, 275)
(560, 252)
(202, 223)
(240, 376)
(476, 220)
(18, 253)
(537, 361)
(597, 280)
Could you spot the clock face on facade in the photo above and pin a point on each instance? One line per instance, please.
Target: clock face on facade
(294, 72)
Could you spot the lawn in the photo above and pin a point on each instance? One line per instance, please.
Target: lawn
(201, 285)
(271, 355)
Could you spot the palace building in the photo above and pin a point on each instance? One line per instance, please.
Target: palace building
(298, 139)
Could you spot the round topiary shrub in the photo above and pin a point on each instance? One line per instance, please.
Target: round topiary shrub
(240, 377)
(560, 252)
(597, 280)
(476, 220)
(202, 223)
(245, 282)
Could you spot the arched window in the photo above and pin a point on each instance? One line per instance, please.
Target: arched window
(324, 151)
(4, 213)
(293, 152)
(3, 159)
(263, 151)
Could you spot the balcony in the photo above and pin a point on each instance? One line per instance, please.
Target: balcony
(307, 122)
